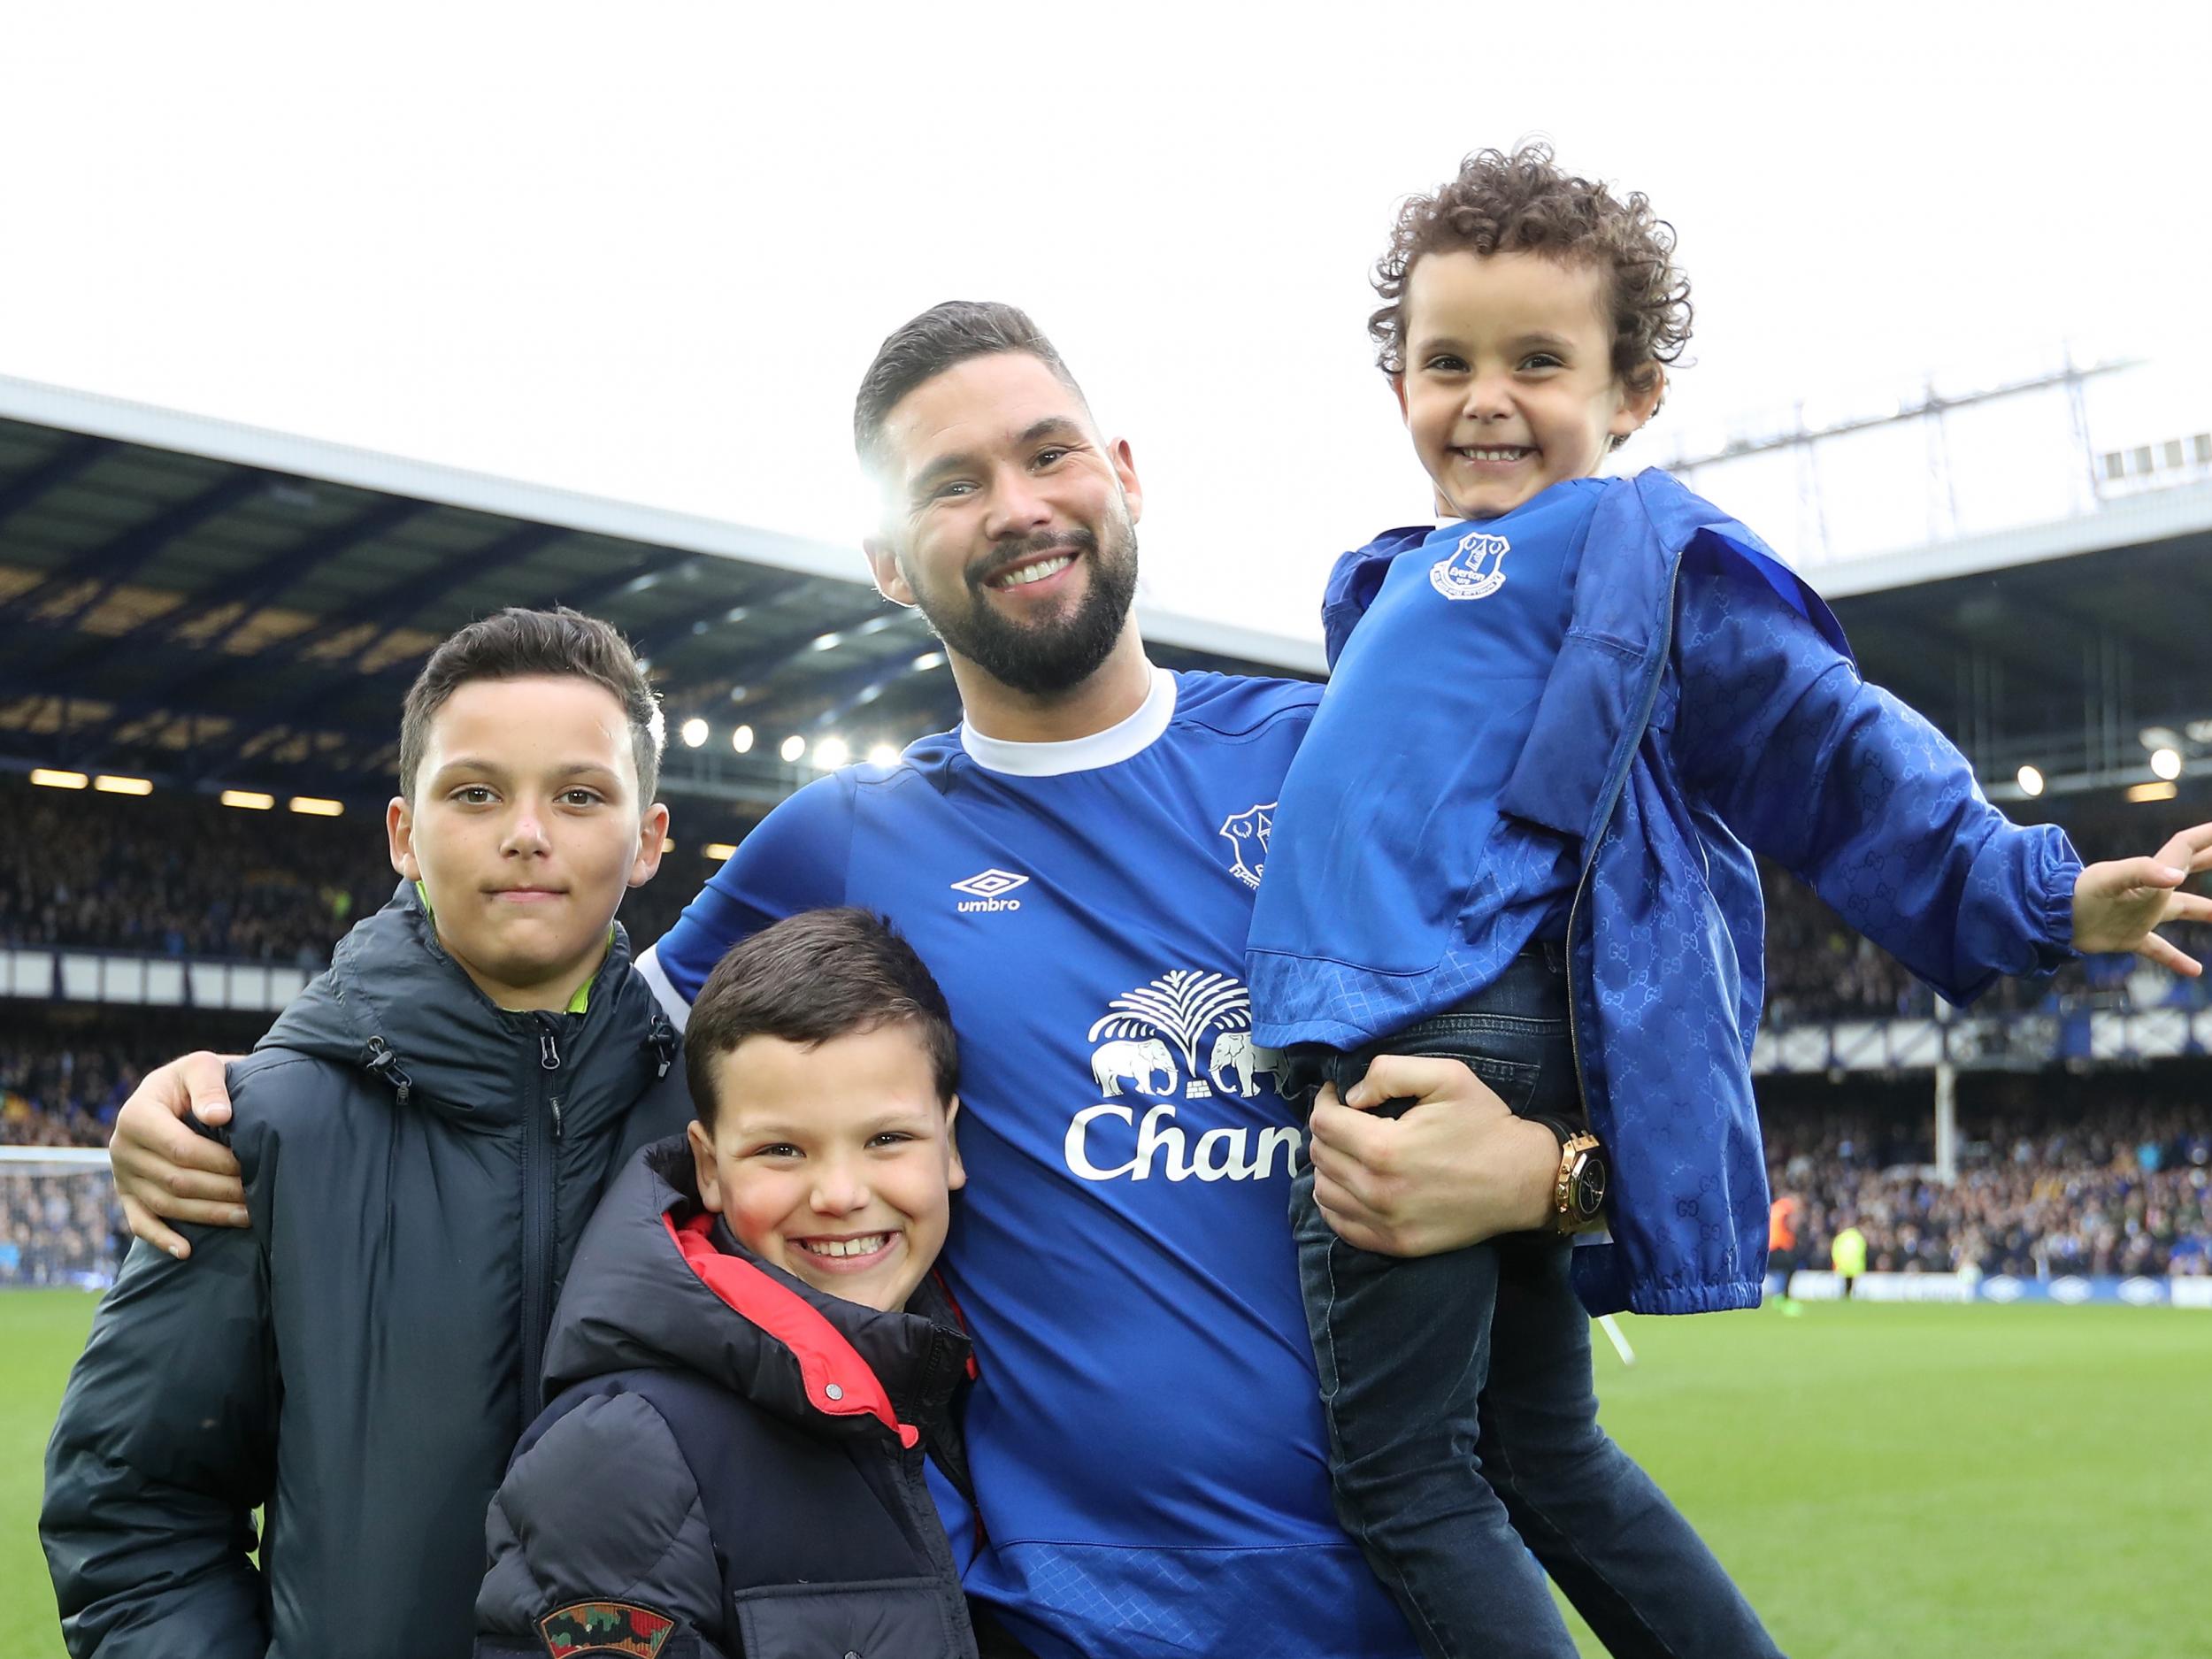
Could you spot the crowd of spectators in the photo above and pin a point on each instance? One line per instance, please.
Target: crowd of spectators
(57, 1227)
(60, 1084)
(61, 1092)
(179, 875)
(2045, 1188)
(1819, 970)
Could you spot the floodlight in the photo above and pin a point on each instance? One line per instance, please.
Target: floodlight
(741, 740)
(2166, 763)
(793, 747)
(695, 732)
(2031, 781)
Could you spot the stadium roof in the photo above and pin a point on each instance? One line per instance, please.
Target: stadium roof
(219, 605)
(2055, 645)
(215, 605)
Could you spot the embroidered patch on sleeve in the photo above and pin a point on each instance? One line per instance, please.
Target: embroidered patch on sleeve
(604, 1627)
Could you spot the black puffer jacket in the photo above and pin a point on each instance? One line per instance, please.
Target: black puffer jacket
(732, 1450)
(418, 1166)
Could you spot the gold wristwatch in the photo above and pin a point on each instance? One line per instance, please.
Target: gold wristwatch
(1578, 1197)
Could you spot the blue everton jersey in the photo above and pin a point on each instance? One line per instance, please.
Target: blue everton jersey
(1145, 1437)
(1397, 888)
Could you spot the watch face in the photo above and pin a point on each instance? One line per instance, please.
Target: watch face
(1589, 1188)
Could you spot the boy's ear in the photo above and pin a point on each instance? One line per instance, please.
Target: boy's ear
(883, 565)
(703, 1166)
(1636, 407)
(399, 830)
(1398, 388)
(956, 1172)
(652, 837)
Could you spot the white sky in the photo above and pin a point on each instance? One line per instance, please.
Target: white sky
(647, 251)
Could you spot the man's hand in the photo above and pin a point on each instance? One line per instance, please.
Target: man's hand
(2117, 903)
(163, 1171)
(1457, 1169)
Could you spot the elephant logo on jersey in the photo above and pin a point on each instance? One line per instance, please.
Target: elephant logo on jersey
(1233, 1064)
(1473, 570)
(1195, 1030)
(1247, 834)
(1136, 1064)
(1151, 1026)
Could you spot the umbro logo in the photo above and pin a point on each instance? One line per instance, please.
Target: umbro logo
(987, 890)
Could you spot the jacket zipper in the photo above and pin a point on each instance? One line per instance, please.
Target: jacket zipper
(914, 1486)
(1604, 819)
(537, 1216)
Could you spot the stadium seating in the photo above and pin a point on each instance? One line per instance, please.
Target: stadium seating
(179, 875)
(2065, 1180)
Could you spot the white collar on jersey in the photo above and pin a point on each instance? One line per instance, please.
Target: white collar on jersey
(1116, 743)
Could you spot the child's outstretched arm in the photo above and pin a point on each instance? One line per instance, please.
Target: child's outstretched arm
(1857, 794)
(2119, 904)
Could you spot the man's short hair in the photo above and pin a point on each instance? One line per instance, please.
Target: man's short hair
(1526, 202)
(519, 644)
(811, 977)
(941, 337)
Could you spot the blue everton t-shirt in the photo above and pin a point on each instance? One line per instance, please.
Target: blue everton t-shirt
(1394, 888)
(1146, 1435)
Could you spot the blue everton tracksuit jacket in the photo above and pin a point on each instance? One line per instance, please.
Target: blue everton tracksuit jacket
(1702, 705)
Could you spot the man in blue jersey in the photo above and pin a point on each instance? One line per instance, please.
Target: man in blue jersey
(1077, 862)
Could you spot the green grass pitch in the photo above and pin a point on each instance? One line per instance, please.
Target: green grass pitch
(1994, 1483)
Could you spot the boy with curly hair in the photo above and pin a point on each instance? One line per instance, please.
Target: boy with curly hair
(1520, 837)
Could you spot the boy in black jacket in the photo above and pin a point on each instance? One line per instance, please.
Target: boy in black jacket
(422, 1136)
(754, 1357)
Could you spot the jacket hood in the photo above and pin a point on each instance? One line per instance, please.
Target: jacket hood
(658, 1281)
(395, 1003)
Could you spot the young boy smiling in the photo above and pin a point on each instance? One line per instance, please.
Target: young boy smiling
(422, 1135)
(752, 1337)
(1518, 835)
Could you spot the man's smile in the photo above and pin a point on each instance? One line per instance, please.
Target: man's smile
(1028, 573)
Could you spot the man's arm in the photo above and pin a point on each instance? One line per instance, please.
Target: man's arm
(795, 859)
(166, 1444)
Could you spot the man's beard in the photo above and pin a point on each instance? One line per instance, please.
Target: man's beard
(1058, 653)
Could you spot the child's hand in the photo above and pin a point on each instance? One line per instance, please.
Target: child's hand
(2117, 903)
(1457, 1169)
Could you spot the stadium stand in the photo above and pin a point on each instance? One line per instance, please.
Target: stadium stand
(2057, 1175)
(179, 875)
(199, 606)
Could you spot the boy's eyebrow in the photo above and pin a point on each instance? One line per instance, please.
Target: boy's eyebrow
(1534, 337)
(781, 1129)
(498, 769)
(1036, 431)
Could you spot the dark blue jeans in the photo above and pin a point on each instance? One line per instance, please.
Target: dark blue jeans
(1464, 1435)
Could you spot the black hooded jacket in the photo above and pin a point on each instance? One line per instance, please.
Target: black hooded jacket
(733, 1465)
(418, 1165)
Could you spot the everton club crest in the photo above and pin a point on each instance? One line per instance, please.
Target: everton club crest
(1473, 570)
(1247, 834)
